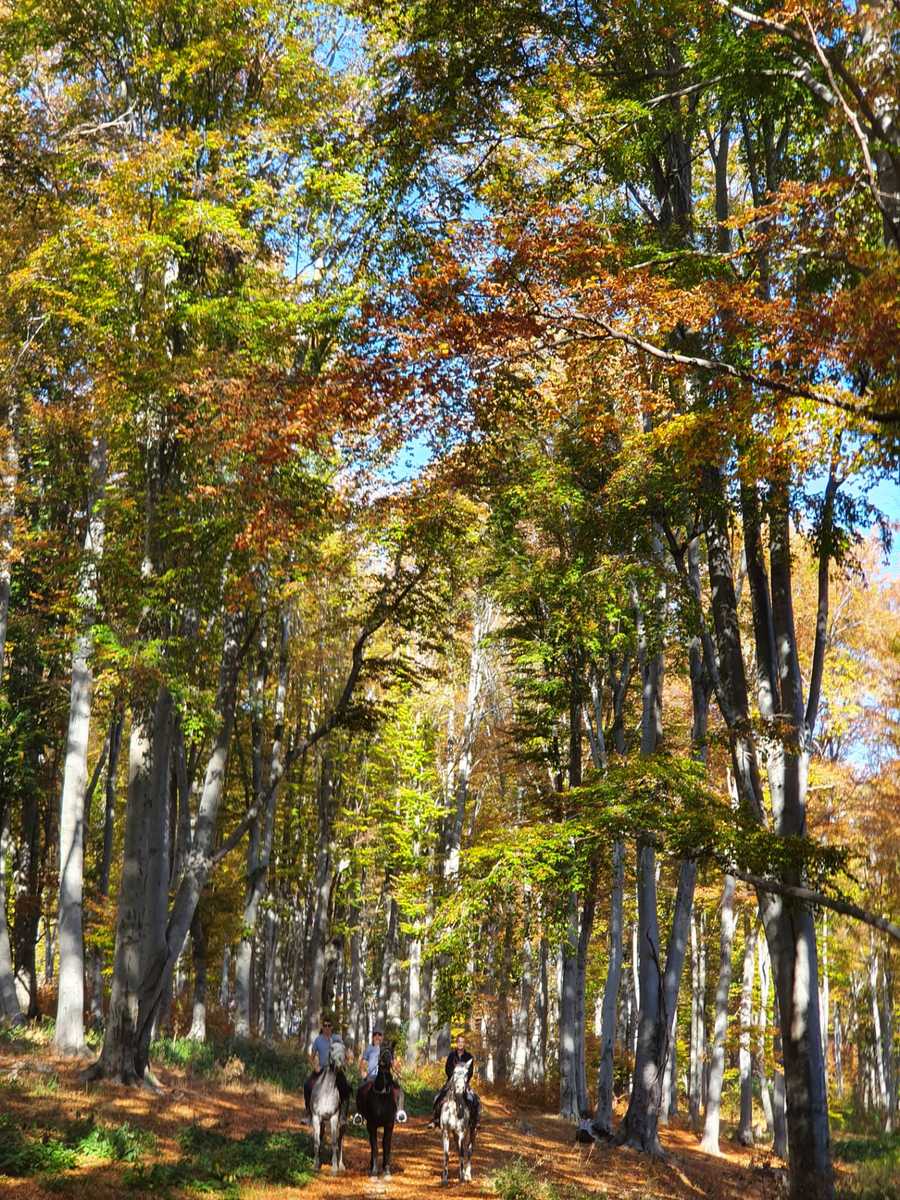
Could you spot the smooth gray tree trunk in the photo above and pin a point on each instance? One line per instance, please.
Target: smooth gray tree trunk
(537, 1057)
(602, 1123)
(147, 945)
(259, 850)
(521, 1027)
(462, 756)
(745, 1056)
(710, 1140)
(197, 1031)
(10, 1012)
(789, 925)
(698, 1020)
(69, 1034)
(882, 1094)
(321, 898)
(116, 726)
(765, 984)
(414, 991)
(838, 1052)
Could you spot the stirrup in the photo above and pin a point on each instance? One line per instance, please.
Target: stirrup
(357, 1119)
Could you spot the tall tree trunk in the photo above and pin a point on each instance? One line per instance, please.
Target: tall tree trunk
(838, 1052)
(27, 912)
(639, 1128)
(762, 958)
(657, 988)
(602, 1123)
(259, 850)
(147, 947)
(9, 480)
(571, 1036)
(322, 898)
(386, 1003)
(890, 1060)
(789, 925)
(745, 1058)
(537, 1058)
(460, 769)
(138, 928)
(197, 1031)
(698, 1019)
(521, 1029)
(414, 985)
(69, 1034)
(882, 1097)
(356, 1015)
(710, 1142)
(116, 726)
(10, 1011)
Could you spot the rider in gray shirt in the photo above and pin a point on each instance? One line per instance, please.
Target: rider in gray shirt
(319, 1054)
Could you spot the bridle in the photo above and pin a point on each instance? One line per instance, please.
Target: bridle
(385, 1061)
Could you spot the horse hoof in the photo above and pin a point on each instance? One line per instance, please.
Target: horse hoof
(387, 1175)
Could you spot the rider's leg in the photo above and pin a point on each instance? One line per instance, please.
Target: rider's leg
(436, 1107)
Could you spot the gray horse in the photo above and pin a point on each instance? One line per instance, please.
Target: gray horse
(456, 1119)
(325, 1104)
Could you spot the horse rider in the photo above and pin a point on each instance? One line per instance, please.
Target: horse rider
(318, 1057)
(368, 1065)
(458, 1056)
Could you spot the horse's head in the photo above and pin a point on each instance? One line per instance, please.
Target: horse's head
(337, 1055)
(386, 1058)
(459, 1079)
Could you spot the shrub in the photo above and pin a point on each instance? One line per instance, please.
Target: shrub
(877, 1175)
(212, 1162)
(118, 1143)
(21, 1155)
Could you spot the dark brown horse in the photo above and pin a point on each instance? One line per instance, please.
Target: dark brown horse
(378, 1104)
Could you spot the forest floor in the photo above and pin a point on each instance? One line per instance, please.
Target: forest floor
(224, 1134)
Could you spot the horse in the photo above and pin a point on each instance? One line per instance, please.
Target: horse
(456, 1118)
(380, 1110)
(326, 1104)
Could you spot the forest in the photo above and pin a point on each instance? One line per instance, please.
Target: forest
(449, 462)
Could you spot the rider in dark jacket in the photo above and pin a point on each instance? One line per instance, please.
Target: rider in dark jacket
(457, 1056)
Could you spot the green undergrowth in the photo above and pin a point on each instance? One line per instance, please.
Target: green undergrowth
(213, 1163)
(876, 1167)
(49, 1152)
(518, 1181)
(242, 1058)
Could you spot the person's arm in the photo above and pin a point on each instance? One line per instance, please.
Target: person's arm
(471, 1070)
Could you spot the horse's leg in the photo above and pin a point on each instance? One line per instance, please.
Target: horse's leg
(388, 1135)
(342, 1128)
(445, 1178)
(334, 1143)
(467, 1176)
(460, 1137)
(317, 1138)
(373, 1147)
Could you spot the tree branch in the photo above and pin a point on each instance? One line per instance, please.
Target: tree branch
(818, 658)
(716, 366)
(765, 884)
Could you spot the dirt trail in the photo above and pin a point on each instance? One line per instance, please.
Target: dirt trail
(510, 1130)
(546, 1143)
